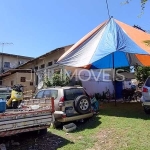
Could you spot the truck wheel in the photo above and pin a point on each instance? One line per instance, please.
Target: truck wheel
(82, 104)
(147, 110)
(43, 131)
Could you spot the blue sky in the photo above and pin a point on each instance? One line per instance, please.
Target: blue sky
(38, 26)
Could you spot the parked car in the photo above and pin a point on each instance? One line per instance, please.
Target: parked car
(73, 103)
(145, 99)
(4, 92)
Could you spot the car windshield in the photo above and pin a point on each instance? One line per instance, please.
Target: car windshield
(4, 94)
(50, 93)
(47, 94)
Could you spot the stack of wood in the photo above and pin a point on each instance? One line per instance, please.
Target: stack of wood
(43, 103)
(27, 94)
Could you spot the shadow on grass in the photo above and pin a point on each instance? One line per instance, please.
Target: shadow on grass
(128, 110)
(89, 123)
(34, 141)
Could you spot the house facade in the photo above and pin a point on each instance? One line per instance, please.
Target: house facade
(45, 64)
(34, 70)
(11, 61)
(20, 76)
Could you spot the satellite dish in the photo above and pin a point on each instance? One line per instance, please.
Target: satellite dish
(40, 85)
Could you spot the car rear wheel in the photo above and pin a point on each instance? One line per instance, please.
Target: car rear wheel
(147, 110)
(82, 104)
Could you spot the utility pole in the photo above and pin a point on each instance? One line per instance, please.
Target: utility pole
(2, 65)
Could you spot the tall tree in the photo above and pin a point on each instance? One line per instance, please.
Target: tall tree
(142, 73)
(143, 2)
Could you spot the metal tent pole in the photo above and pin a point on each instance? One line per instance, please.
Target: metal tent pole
(114, 75)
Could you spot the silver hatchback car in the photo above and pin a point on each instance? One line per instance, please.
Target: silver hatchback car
(145, 99)
(71, 103)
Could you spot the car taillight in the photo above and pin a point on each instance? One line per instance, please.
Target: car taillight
(145, 90)
(64, 116)
(61, 102)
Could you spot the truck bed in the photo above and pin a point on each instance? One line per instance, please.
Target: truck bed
(23, 119)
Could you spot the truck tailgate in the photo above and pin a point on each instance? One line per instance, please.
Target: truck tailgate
(12, 120)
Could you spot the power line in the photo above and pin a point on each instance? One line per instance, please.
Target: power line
(108, 9)
(4, 44)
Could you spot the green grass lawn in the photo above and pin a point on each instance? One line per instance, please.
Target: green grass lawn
(121, 127)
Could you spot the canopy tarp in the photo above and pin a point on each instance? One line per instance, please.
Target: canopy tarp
(112, 44)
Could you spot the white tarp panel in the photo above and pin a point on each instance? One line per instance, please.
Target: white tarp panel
(93, 87)
(95, 81)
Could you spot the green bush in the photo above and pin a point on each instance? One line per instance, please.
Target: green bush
(56, 80)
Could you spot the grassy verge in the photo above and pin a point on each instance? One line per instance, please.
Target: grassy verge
(121, 127)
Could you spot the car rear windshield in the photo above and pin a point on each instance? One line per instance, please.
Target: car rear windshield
(147, 82)
(47, 94)
(71, 94)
